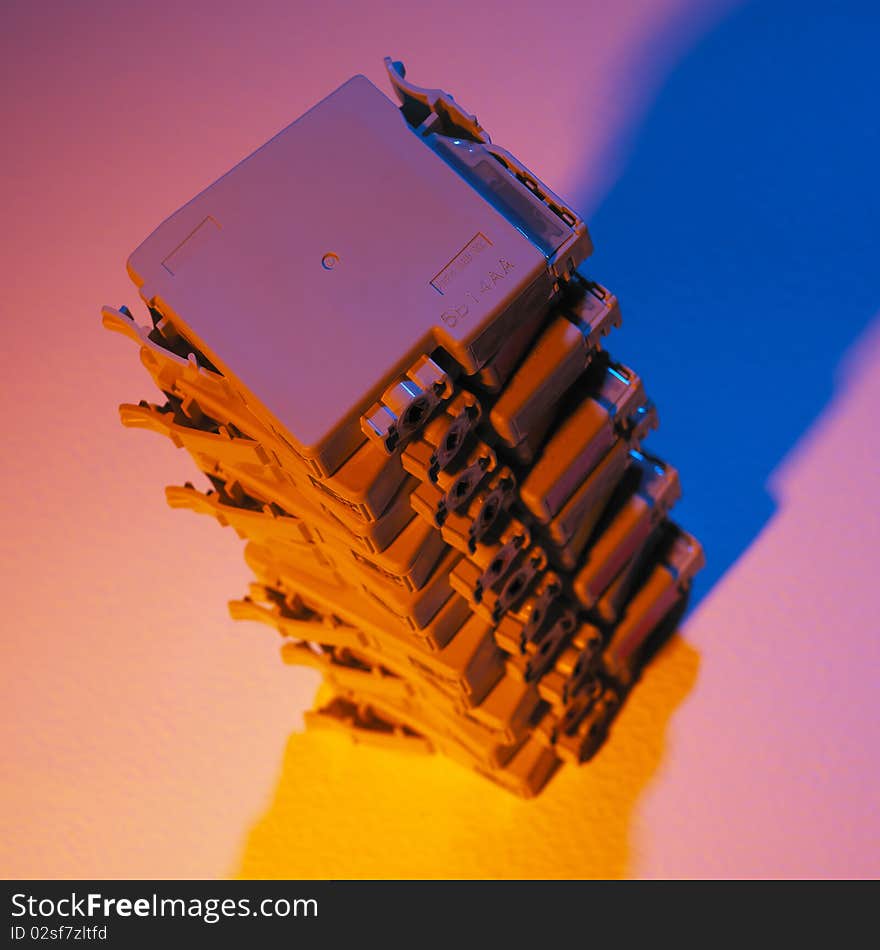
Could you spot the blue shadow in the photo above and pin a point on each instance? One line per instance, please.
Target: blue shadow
(742, 241)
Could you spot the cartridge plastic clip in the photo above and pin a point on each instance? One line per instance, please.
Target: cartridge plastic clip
(581, 743)
(463, 487)
(584, 669)
(519, 583)
(456, 436)
(579, 704)
(419, 105)
(498, 498)
(550, 645)
(543, 612)
(406, 405)
(499, 566)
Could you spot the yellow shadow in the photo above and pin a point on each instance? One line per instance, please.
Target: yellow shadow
(347, 811)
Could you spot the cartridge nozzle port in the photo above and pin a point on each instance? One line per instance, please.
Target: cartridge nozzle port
(416, 412)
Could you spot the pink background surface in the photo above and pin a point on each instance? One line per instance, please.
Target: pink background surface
(143, 732)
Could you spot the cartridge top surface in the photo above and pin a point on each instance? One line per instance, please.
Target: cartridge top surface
(330, 258)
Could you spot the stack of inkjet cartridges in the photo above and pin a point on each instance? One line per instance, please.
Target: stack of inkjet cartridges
(376, 338)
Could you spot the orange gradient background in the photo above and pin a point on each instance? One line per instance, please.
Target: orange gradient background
(144, 733)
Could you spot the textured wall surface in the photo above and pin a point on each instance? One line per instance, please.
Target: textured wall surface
(145, 734)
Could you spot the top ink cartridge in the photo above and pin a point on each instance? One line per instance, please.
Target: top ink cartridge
(355, 264)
